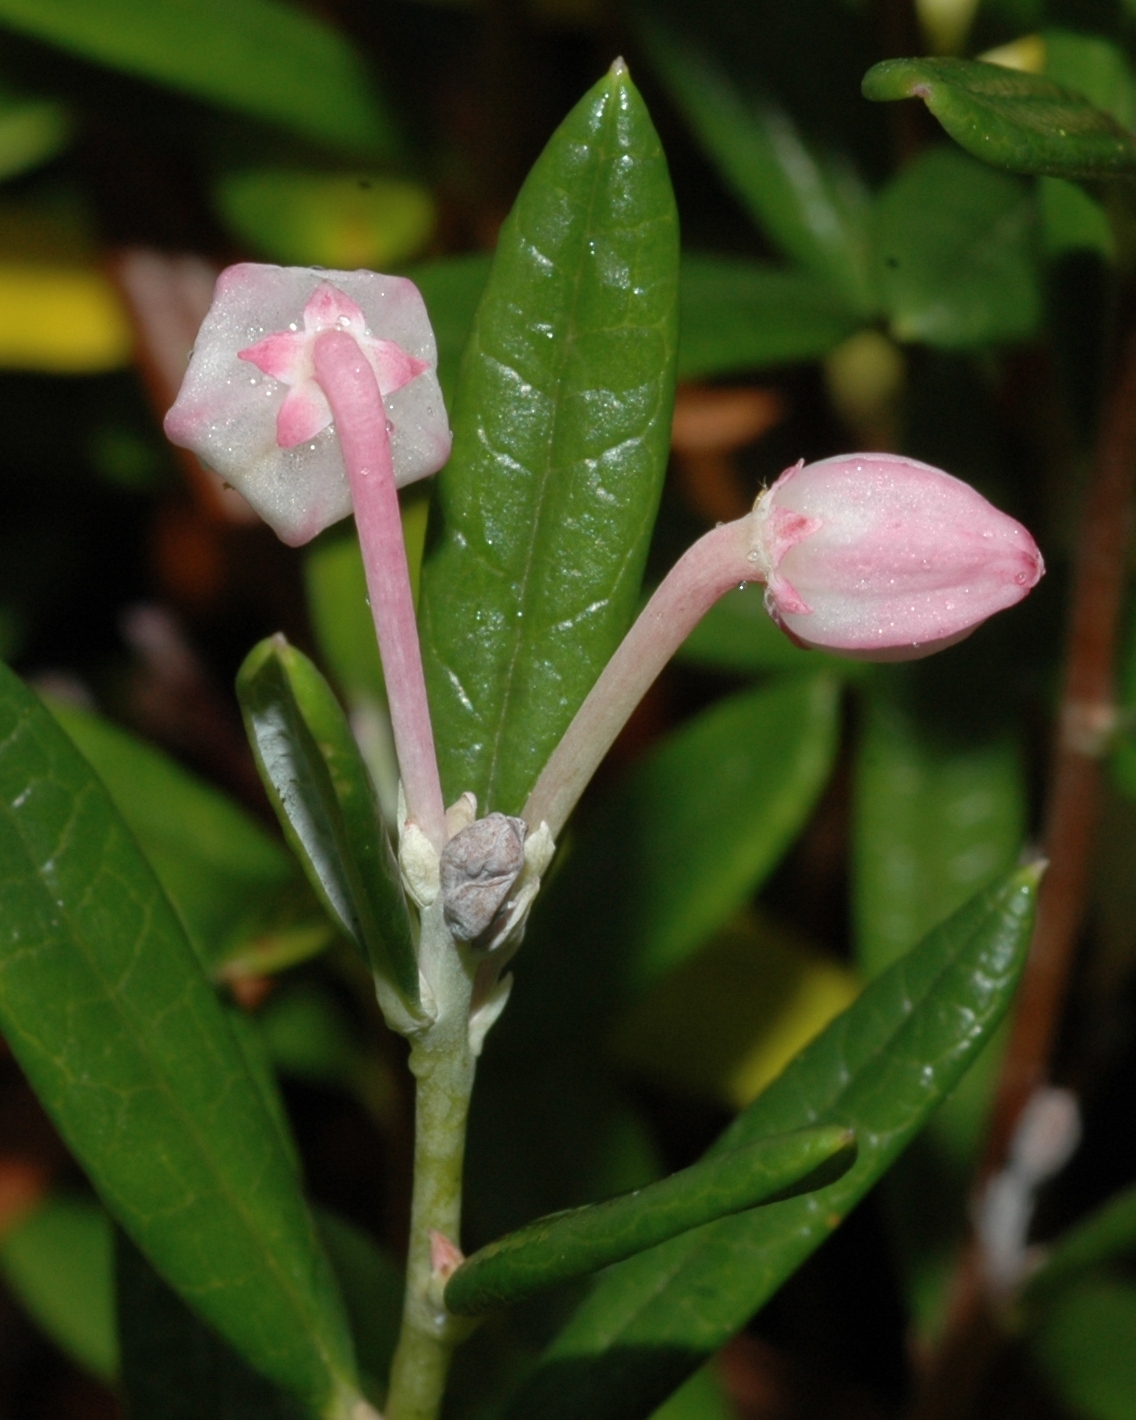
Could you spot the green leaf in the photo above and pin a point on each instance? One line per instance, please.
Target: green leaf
(939, 814)
(268, 59)
(372, 1288)
(744, 315)
(57, 1261)
(1094, 67)
(32, 132)
(1008, 118)
(174, 1366)
(1106, 1235)
(227, 878)
(1084, 1345)
(113, 1021)
(561, 433)
(699, 823)
(702, 1397)
(734, 314)
(324, 798)
(879, 1069)
(955, 253)
(582, 1240)
(816, 210)
(339, 220)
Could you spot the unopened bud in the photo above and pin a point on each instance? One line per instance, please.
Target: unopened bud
(884, 558)
(479, 866)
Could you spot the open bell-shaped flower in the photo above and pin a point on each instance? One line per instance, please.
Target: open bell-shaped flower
(881, 557)
(250, 405)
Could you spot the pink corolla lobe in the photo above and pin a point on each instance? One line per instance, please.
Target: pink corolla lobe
(250, 405)
(885, 558)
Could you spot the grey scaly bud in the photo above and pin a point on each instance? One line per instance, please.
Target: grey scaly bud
(479, 866)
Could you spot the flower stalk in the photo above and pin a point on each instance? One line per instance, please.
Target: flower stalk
(352, 391)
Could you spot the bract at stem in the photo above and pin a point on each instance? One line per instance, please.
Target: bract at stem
(716, 562)
(348, 381)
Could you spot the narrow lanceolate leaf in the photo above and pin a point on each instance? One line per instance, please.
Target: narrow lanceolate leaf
(263, 57)
(105, 1005)
(561, 431)
(879, 1069)
(323, 795)
(1009, 118)
(816, 212)
(582, 1240)
(955, 253)
(697, 826)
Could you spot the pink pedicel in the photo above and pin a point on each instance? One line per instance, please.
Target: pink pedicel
(251, 408)
(884, 558)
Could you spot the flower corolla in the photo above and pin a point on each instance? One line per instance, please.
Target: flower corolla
(885, 558)
(250, 406)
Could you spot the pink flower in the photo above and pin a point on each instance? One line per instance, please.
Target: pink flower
(885, 558)
(251, 408)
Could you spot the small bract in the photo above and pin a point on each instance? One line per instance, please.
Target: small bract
(250, 406)
(885, 558)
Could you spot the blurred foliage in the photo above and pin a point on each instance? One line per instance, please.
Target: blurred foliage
(776, 828)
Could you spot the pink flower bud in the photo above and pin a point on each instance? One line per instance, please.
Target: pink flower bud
(250, 405)
(884, 558)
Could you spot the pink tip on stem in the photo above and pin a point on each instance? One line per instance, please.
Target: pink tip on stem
(445, 1256)
(348, 380)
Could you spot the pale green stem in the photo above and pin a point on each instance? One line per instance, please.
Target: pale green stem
(443, 1066)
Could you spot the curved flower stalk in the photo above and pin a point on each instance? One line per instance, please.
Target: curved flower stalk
(872, 556)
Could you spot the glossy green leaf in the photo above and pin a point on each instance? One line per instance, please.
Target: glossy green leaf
(266, 58)
(1009, 118)
(57, 1261)
(323, 795)
(1106, 1235)
(561, 432)
(1084, 1346)
(174, 1366)
(817, 211)
(955, 253)
(745, 315)
(880, 1069)
(108, 1011)
(336, 584)
(236, 890)
(939, 814)
(734, 314)
(582, 1240)
(699, 823)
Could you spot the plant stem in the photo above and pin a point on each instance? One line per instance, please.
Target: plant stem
(716, 562)
(352, 391)
(443, 1065)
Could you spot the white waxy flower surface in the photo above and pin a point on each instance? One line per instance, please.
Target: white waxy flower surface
(250, 407)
